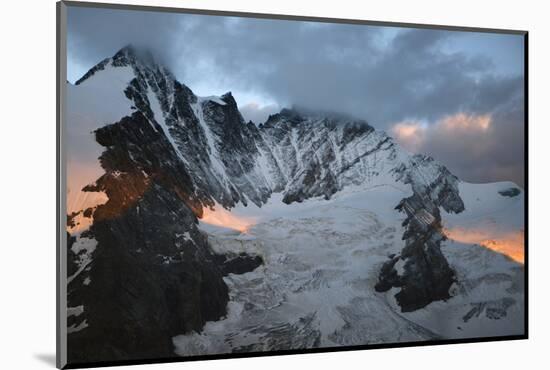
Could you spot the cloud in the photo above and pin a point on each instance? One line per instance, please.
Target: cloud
(462, 122)
(258, 114)
(475, 147)
(413, 135)
(410, 134)
(380, 74)
(95, 34)
(385, 75)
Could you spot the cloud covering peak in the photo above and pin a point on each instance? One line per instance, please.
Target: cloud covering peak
(388, 76)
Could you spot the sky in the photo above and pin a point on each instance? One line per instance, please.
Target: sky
(457, 96)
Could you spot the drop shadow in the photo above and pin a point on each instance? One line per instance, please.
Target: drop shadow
(46, 358)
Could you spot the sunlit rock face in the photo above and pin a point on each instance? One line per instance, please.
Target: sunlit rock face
(165, 170)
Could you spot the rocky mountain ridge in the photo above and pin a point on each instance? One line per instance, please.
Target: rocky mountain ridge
(143, 270)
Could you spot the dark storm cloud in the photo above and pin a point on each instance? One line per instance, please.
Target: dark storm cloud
(382, 74)
(95, 34)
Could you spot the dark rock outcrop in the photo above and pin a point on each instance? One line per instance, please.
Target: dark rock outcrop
(426, 275)
(153, 274)
(510, 192)
(238, 264)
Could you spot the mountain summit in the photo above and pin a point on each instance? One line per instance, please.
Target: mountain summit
(141, 267)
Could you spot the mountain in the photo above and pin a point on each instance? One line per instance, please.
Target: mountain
(144, 269)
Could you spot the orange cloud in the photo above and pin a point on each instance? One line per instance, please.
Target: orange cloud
(465, 122)
(414, 134)
(410, 134)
